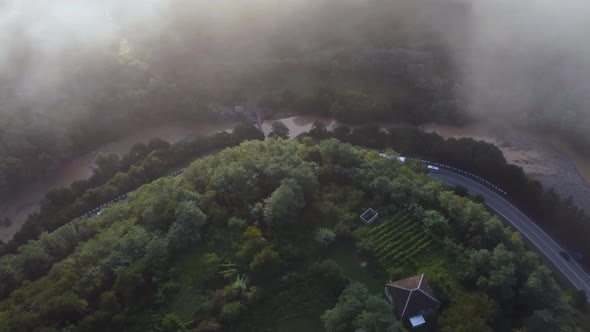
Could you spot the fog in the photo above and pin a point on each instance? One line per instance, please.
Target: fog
(52, 50)
(528, 60)
(42, 42)
(75, 74)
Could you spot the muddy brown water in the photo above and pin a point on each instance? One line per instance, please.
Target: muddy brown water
(25, 201)
(18, 206)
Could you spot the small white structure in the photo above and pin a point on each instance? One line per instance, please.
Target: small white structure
(239, 109)
(369, 216)
(400, 159)
(384, 156)
(417, 321)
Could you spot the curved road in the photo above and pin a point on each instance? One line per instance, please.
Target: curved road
(545, 244)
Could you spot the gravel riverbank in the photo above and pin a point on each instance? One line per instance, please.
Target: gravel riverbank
(545, 159)
(546, 163)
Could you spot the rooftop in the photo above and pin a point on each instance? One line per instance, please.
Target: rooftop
(412, 296)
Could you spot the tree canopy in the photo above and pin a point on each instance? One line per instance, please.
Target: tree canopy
(357, 310)
(245, 232)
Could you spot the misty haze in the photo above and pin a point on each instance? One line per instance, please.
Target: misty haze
(295, 165)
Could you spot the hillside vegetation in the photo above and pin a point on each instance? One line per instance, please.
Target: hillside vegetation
(244, 241)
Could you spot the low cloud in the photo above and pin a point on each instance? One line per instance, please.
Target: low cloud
(527, 59)
(42, 41)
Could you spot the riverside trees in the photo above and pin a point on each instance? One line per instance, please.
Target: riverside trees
(247, 218)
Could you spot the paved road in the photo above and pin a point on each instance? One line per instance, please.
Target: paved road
(570, 269)
(97, 210)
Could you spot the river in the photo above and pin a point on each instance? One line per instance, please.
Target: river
(22, 202)
(19, 205)
(541, 157)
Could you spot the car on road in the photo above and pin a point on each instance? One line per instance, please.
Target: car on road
(565, 255)
(433, 168)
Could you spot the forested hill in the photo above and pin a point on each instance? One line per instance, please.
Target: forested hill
(266, 236)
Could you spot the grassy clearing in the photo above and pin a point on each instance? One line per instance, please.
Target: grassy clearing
(291, 307)
(190, 293)
(345, 255)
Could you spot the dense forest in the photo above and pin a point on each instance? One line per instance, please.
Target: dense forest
(264, 235)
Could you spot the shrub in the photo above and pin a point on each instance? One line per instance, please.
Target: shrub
(230, 293)
(267, 262)
(208, 326)
(210, 266)
(253, 295)
(232, 311)
(325, 236)
(238, 223)
(171, 323)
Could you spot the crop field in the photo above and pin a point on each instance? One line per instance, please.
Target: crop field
(398, 239)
